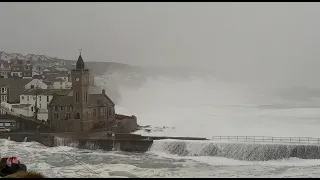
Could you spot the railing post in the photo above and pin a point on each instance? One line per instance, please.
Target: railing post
(237, 138)
(272, 139)
(246, 138)
(299, 139)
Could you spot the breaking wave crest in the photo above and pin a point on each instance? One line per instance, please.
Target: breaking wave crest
(238, 151)
(58, 141)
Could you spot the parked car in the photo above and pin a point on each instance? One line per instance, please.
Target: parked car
(3, 129)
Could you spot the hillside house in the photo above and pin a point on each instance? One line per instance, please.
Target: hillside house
(5, 69)
(36, 83)
(11, 89)
(19, 68)
(40, 98)
(61, 84)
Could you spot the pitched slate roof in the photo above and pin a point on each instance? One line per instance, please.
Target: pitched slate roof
(61, 100)
(48, 92)
(94, 100)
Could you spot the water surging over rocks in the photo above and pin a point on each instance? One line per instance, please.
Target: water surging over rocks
(58, 141)
(239, 151)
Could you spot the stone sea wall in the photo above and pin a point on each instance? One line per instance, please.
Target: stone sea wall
(51, 140)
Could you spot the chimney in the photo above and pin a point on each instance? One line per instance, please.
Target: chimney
(103, 91)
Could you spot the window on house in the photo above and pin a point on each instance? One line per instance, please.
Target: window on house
(77, 116)
(110, 110)
(3, 90)
(22, 97)
(86, 97)
(47, 98)
(77, 97)
(27, 98)
(39, 105)
(105, 111)
(61, 108)
(101, 111)
(56, 108)
(94, 113)
(40, 98)
(32, 108)
(56, 116)
(3, 98)
(34, 98)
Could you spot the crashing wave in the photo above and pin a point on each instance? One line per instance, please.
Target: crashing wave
(239, 151)
(58, 141)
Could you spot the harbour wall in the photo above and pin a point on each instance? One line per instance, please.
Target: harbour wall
(54, 139)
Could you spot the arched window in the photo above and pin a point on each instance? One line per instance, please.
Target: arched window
(77, 116)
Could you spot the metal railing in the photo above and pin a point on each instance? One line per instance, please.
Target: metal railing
(268, 139)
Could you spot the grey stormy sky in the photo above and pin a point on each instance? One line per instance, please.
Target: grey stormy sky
(270, 42)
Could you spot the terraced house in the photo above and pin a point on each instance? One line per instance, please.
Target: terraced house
(39, 99)
(20, 68)
(11, 89)
(80, 110)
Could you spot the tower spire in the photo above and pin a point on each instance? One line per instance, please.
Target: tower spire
(80, 62)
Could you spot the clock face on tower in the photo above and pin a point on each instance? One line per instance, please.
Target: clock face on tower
(77, 79)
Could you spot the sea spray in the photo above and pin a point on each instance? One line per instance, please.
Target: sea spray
(238, 151)
(59, 141)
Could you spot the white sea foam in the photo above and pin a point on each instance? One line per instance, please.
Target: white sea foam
(54, 163)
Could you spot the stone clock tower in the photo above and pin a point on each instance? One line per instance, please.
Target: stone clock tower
(80, 93)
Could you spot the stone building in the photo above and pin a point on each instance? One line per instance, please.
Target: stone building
(80, 110)
(11, 89)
